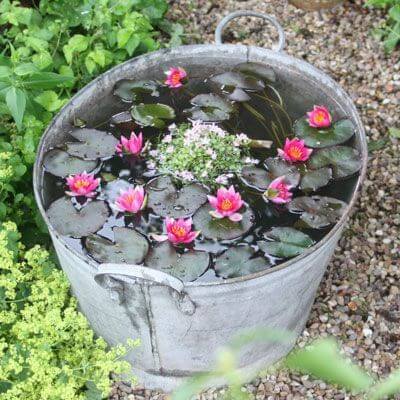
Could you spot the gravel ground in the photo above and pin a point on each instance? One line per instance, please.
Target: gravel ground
(359, 298)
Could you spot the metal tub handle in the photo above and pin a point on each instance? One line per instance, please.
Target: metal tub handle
(245, 13)
(149, 276)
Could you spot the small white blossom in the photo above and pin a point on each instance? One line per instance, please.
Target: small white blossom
(167, 139)
(151, 165)
(186, 175)
(153, 153)
(249, 160)
(169, 149)
(222, 179)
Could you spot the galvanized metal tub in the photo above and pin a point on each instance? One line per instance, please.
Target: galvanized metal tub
(182, 325)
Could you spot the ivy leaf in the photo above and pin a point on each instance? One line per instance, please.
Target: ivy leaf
(16, 103)
(285, 242)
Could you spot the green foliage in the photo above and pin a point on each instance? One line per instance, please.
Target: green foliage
(389, 33)
(47, 349)
(322, 359)
(46, 54)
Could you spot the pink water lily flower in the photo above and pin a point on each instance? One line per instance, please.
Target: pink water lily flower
(319, 117)
(279, 191)
(83, 184)
(179, 231)
(131, 200)
(294, 151)
(133, 145)
(175, 76)
(226, 204)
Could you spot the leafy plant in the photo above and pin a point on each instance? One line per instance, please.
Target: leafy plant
(46, 54)
(322, 359)
(389, 33)
(47, 349)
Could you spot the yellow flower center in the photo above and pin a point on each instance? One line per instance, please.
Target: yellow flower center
(178, 231)
(295, 152)
(176, 78)
(319, 117)
(226, 205)
(81, 183)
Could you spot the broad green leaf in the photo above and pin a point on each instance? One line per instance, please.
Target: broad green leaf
(394, 12)
(285, 242)
(5, 72)
(344, 160)
(49, 100)
(46, 80)
(338, 133)
(128, 247)
(77, 43)
(386, 388)
(237, 80)
(68, 221)
(222, 229)
(239, 261)
(315, 179)
(92, 144)
(187, 266)
(165, 200)
(123, 36)
(129, 90)
(42, 60)
(210, 108)
(133, 43)
(257, 70)
(152, 114)
(60, 163)
(25, 69)
(16, 103)
(323, 360)
(318, 211)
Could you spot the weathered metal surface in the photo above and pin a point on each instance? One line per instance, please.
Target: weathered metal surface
(182, 325)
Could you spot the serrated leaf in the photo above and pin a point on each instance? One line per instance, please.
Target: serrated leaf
(16, 103)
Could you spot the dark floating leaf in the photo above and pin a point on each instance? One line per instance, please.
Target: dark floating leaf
(122, 118)
(130, 91)
(344, 160)
(257, 70)
(113, 189)
(93, 144)
(338, 133)
(222, 229)
(285, 242)
(238, 80)
(255, 178)
(68, 221)
(239, 261)
(187, 266)
(238, 95)
(152, 114)
(60, 163)
(129, 247)
(210, 108)
(318, 211)
(165, 200)
(278, 167)
(315, 179)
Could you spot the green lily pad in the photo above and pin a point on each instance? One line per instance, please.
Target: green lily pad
(92, 144)
(210, 108)
(257, 70)
(338, 133)
(318, 211)
(60, 163)
(278, 167)
(165, 200)
(152, 114)
(187, 266)
(129, 247)
(255, 178)
(129, 90)
(222, 229)
(344, 160)
(238, 95)
(238, 80)
(239, 261)
(315, 179)
(285, 242)
(68, 221)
